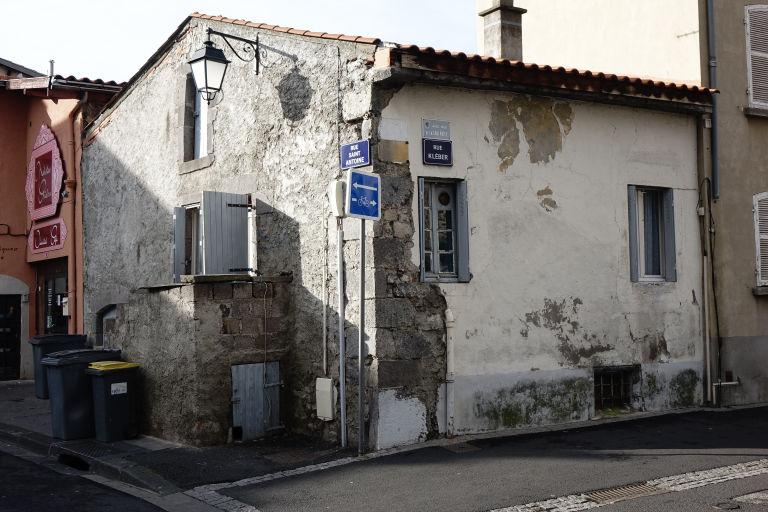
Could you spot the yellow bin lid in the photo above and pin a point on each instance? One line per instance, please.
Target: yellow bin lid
(112, 365)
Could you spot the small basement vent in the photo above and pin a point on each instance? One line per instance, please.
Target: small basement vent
(613, 387)
(255, 400)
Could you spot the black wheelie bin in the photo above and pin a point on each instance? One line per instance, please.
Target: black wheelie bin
(71, 391)
(114, 399)
(43, 345)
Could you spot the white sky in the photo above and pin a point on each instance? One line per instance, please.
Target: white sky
(111, 39)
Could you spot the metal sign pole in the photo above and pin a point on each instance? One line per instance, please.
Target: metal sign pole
(360, 349)
(342, 341)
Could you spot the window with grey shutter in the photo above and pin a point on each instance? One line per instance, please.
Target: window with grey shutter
(760, 209)
(756, 18)
(212, 237)
(652, 248)
(225, 233)
(444, 230)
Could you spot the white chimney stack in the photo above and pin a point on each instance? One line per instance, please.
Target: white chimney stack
(501, 29)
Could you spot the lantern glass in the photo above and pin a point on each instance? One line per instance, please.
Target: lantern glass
(208, 68)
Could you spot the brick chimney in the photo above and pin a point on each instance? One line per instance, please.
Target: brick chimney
(501, 29)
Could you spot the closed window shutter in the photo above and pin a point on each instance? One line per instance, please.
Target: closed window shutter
(757, 54)
(179, 232)
(225, 233)
(760, 206)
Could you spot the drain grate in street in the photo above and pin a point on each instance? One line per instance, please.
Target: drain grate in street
(626, 492)
(461, 448)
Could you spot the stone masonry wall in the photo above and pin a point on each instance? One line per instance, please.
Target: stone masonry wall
(187, 337)
(274, 135)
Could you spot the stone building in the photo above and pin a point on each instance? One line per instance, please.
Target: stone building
(721, 45)
(551, 272)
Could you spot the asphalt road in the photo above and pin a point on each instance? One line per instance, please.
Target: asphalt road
(492, 474)
(29, 487)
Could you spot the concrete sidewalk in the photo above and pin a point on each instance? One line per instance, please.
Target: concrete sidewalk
(146, 462)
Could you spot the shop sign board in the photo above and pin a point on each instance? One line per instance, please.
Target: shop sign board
(45, 174)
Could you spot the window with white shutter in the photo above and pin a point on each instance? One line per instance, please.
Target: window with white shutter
(756, 17)
(760, 208)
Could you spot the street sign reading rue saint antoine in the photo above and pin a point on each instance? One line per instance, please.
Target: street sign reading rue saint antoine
(363, 195)
(355, 154)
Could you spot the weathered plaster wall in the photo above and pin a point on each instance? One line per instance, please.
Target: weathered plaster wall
(550, 297)
(186, 338)
(743, 317)
(275, 135)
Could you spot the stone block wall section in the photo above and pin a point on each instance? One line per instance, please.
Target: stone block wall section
(186, 337)
(410, 362)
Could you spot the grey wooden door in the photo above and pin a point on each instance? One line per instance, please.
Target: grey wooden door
(255, 399)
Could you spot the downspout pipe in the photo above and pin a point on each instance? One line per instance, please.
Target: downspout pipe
(712, 55)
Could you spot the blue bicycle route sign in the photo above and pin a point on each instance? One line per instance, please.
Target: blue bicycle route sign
(363, 195)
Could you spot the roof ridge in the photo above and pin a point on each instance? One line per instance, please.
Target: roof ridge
(288, 30)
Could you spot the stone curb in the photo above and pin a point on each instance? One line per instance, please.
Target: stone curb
(115, 468)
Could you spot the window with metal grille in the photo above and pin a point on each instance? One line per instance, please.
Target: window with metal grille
(652, 254)
(444, 230)
(756, 18)
(613, 387)
(760, 209)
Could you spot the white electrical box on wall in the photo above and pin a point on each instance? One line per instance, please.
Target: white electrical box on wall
(335, 193)
(325, 394)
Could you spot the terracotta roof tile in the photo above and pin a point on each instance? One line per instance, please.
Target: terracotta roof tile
(85, 80)
(290, 30)
(545, 75)
(571, 78)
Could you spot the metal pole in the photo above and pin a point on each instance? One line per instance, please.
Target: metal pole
(342, 341)
(360, 345)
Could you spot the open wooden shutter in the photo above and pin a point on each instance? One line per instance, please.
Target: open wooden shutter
(225, 233)
(670, 248)
(760, 208)
(757, 54)
(634, 266)
(179, 233)
(462, 232)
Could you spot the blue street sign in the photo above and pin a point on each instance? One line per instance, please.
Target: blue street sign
(355, 154)
(363, 195)
(437, 152)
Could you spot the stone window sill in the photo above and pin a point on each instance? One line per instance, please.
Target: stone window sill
(760, 290)
(196, 165)
(756, 112)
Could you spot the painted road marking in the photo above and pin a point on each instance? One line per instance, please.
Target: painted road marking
(675, 483)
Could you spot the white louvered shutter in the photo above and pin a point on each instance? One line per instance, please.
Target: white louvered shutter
(757, 54)
(760, 206)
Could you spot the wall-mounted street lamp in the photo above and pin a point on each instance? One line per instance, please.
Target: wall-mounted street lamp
(209, 64)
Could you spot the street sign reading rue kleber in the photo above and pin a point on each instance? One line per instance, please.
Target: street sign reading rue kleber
(355, 154)
(363, 195)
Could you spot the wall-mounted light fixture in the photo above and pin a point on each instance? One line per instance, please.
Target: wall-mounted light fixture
(209, 64)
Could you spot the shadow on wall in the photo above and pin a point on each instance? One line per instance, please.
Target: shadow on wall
(129, 245)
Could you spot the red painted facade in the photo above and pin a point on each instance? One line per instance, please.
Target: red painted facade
(41, 121)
